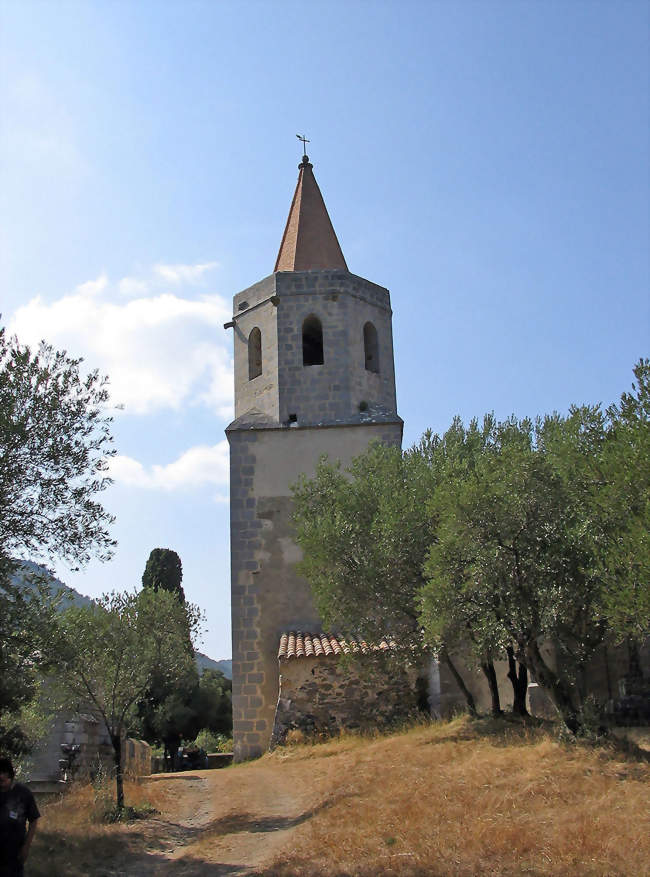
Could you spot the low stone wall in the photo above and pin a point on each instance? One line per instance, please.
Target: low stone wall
(78, 747)
(322, 696)
(136, 758)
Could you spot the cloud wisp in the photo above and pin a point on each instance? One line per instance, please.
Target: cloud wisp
(162, 351)
(184, 273)
(198, 467)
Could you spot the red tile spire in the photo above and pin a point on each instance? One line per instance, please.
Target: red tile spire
(309, 242)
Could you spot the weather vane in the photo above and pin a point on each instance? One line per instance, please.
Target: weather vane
(304, 142)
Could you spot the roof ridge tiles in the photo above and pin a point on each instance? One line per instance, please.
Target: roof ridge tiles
(303, 644)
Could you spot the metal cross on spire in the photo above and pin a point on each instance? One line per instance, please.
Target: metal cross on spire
(304, 143)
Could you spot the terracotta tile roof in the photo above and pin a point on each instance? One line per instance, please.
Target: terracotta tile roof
(297, 644)
(309, 242)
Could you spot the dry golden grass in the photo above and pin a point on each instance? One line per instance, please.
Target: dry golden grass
(451, 798)
(466, 798)
(71, 840)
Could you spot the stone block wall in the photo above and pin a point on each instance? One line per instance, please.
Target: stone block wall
(333, 391)
(93, 751)
(259, 312)
(321, 697)
(606, 677)
(268, 596)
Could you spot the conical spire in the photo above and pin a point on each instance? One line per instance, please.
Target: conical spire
(309, 241)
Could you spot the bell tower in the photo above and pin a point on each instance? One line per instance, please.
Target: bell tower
(314, 375)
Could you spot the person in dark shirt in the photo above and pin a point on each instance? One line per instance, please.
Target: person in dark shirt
(17, 808)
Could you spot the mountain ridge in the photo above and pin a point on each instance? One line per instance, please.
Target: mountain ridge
(30, 573)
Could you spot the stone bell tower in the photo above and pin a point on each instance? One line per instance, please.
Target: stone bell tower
(314, 375)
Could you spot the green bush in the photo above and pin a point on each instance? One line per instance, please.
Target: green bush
(211, 742)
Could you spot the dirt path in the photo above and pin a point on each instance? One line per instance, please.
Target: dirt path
(218, 822)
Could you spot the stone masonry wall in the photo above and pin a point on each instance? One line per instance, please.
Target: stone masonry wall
(267, 594)
(92, 750)
(260, 312)
(333, 391)
(320, 697)
(269, 451)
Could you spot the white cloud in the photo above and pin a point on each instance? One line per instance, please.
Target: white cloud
(184, 273)
(197, 467)
(93, 287)
(160, 352)
(132, 286)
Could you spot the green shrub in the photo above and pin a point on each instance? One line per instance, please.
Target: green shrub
(211, 742)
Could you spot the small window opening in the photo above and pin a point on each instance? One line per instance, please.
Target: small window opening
(371, 348)
(312, 341)
(254, 354)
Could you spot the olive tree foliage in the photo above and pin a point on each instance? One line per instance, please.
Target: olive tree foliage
(513, 552)
(164, 570)
(364, 533)
(28, 633)
(55, 443)
(114, 649)
(623, 497)
(459, 621)
(495, 538)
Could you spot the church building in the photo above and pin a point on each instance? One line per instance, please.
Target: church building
(314, 375)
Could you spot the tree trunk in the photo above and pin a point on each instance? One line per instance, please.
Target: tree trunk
(116, 740)
(491, 676)
(518, 676)
(634, 670)
(556, 688)
(471, 705)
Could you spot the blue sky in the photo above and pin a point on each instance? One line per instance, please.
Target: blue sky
(486, 161)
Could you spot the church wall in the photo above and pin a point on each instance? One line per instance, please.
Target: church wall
(343, 303)
(267, 593)
(321, 697)
(262, 391)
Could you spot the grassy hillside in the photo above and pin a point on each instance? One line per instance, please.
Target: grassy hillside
(470, 798)
(452, 798)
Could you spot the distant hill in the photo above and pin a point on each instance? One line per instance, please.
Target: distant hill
(205, 663)
(29, 571)
(30, 574)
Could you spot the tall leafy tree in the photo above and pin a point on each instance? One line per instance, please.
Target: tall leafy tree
(623, 496)
(164, 570)
(114, 649)
(364, 533)
(213, 703)
(166, 714)
(28, 633)
(55, 444)
(513, 547)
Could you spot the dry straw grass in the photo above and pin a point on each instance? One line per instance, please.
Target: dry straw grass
(72, 841)
(455, 798)
(467, 798)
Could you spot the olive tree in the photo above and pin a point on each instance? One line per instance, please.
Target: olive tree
(55, 445)
(113, 650)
